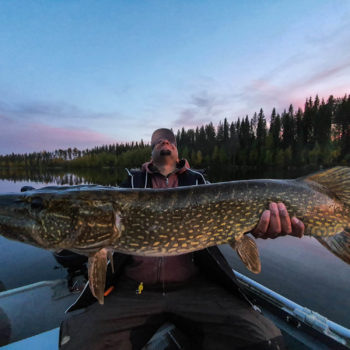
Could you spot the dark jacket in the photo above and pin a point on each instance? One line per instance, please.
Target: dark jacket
(210, 261)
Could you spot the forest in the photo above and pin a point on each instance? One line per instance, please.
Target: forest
(316, 136)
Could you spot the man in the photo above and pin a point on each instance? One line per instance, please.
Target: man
(197, 292)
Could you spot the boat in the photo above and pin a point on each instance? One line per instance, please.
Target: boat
(302, 328)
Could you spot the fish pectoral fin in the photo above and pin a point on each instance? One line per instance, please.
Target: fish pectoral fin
(338, 244)
(248, 251)
(97, 269)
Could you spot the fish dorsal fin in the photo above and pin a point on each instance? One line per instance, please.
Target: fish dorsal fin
(338, 244)
(248, 251)
(97, 274)
(336, 180)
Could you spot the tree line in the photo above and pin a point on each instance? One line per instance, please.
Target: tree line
(102, 156)
(318, 135)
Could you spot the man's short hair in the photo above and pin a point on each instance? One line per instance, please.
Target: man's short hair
(162, 134)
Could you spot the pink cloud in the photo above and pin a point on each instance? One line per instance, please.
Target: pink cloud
(327, 73)
(23, 138)
(322, 82)
(298, 99)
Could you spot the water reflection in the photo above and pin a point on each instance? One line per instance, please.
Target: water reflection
(113, 176)
(106, 177)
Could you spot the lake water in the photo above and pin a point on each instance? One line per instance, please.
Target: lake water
(300, 269)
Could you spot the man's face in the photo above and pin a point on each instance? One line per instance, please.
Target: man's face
(164, 152)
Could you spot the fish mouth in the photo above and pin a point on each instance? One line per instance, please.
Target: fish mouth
(10, 205)
(15, 221)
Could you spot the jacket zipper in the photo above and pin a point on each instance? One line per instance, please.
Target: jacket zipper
(163, 278)
(160, 273)
(161, 259)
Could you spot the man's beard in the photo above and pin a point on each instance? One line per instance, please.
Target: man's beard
(165, 152)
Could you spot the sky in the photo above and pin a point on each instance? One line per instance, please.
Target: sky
(81, 73)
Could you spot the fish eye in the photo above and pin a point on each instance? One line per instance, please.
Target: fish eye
(27, 188)
(37, 203)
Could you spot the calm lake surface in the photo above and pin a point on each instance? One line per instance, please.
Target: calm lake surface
(300, 269)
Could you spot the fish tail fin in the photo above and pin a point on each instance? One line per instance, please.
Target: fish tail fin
(338, 244)
(336, 180)
(248, 251)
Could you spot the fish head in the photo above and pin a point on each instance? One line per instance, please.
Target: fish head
(19, 218)
(59, 219)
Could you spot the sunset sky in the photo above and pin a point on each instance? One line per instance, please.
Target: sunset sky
(80, 73)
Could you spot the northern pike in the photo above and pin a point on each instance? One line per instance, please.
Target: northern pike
(96, 220)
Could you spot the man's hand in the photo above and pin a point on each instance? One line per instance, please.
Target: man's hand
(276, 222)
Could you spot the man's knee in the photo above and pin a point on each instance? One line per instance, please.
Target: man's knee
(276, 343)
(254, 329)
(268, 328)
(266, 335)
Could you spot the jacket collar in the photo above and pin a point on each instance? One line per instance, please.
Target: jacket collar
(181, 166)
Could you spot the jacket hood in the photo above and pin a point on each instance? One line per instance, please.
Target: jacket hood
(181, 167)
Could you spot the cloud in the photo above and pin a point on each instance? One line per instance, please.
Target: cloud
(20, 137)
(35, 126)
(291, 81)
(327, 73)
(335, 37)
(203, 107)
(42, 111)
(320, 69)
(323, 79)
(189, 118)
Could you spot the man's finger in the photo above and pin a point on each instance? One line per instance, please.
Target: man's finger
(298, 228)
(261, 228)
(286, 225)
(275, 223)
